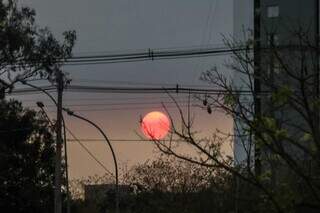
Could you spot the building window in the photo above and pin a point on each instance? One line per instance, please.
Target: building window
(273, 11)
(274, 67)
(273, 40)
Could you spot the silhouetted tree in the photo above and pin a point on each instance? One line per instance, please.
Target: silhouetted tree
(170, 185)
(275, 105)
(27, 50)
(163, 185)
(26, 160)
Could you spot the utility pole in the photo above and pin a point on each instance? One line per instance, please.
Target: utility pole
(57, 180)
(257, 74)
(316, 82)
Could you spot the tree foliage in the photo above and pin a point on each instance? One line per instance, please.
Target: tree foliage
(26, 148)
(276, 112)
(163, 185)
(169, 175)
(171, 185)
(26, 160)
(27, 50)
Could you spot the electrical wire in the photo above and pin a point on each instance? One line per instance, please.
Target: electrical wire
(125, 108)
(150, 53)
(89, 140)
(154, 90)
(143, 90)
(115, 104)
(16, 130)
(30, 90)
(157, 58)
(89, 152)
(146, 55)
(193, 47)
(137, 83)
(126, 99)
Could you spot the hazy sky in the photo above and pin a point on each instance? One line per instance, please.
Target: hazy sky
(122, 25)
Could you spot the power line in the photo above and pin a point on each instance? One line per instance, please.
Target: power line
(137, 83)
(150, 54)
(31, 90)
(89, 140)
(74, 139)
(123, 51)
(212, 20)
(146, 90)
(125, 108)
(150, 57)
(117, 104)
(16, 130)
(116, 99)
(88, 151)
(142, 90)
(208, 26)
(126, 89)
(207, 23)
(80, 140)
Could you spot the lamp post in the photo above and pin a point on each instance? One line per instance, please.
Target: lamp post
(71, 113)
(58, 206)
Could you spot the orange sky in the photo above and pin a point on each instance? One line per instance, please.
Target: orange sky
(126, 25)
(125, 125)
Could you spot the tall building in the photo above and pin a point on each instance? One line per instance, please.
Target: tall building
(272, 23)
(242, 31)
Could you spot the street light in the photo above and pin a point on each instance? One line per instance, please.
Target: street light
(71, 113)
(41, 105)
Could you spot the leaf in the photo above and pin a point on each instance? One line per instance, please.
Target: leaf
(269, 123)
(229, 100)
(306, 137)
(281, 134)
(282, 95)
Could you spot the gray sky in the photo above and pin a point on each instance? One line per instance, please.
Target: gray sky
(122, 25)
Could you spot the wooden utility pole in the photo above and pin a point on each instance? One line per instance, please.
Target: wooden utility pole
(58, 173)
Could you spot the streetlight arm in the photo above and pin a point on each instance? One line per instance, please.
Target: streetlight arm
(71, 113)
(100, 130)
(40, 89)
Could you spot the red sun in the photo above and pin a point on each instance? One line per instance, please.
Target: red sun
(155, 125)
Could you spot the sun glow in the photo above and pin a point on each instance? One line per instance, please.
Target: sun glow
(155, 125)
